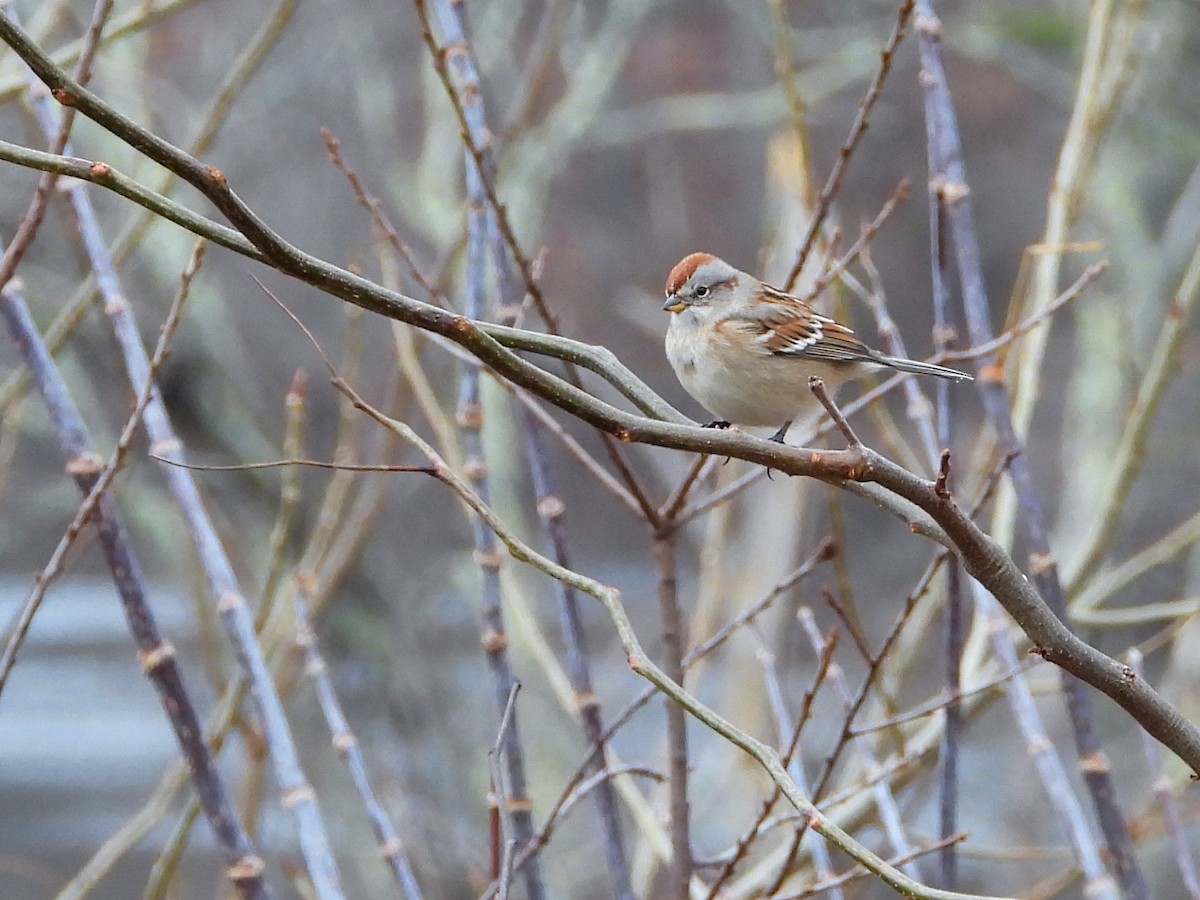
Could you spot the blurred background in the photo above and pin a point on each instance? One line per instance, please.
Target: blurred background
(627, 134)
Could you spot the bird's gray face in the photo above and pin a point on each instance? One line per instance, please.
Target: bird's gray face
(707, 285)
(689, 295)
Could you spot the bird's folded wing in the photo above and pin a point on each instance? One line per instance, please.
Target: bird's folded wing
(787, 326)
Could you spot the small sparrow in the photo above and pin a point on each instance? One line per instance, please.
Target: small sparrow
(746, 350)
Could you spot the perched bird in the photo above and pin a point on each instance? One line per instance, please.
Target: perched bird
(746, 350)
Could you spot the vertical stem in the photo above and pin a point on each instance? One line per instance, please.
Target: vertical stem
(948, 775)
(947, 160)
(553, 514)
(663, 545)
(486, 228)
(487, 551)
(943, 338)
(391, 848)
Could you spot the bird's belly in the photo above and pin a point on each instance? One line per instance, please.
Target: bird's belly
(757, 396)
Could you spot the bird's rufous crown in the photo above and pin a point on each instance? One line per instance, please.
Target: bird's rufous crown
(685, 269)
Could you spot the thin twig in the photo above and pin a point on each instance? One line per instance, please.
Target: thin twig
(552, 512)
(943, 702)
(1063, 300)
(786, 729)
(866, 235)
(287, 463)
(859, 872)
(1166, 800)
(742, 846)
(857, 130)
(374, 207)
(817, 386)
(885, 801)
(1131, 451)
(694, 475)
(58, 135)
(849, 619)
(346, 744)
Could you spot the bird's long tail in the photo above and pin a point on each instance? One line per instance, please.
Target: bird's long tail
(920, 368)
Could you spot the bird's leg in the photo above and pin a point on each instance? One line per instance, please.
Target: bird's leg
(777, 438)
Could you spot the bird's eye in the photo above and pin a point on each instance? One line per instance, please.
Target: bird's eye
(702, 291)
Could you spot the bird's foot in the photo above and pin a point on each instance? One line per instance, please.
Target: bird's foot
(778, 436)
(721, 425)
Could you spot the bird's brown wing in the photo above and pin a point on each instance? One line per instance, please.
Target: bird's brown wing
(788, 326)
